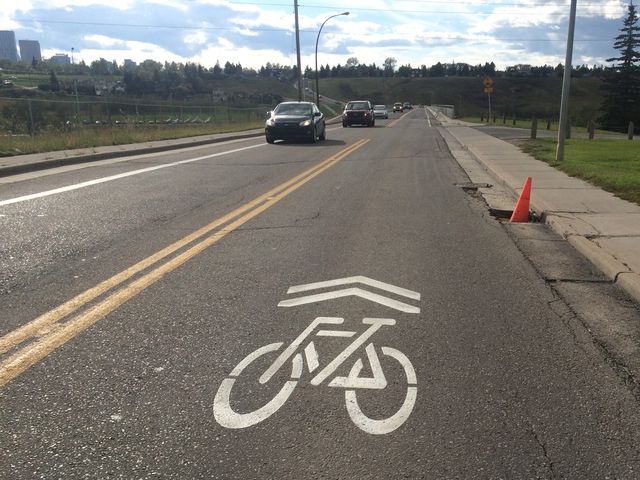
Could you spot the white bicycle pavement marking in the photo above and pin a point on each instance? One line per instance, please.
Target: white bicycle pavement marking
(356, 279)
(227, 417)
(350, 292)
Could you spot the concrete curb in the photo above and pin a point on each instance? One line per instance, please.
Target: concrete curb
(7, 170)
(607, 263)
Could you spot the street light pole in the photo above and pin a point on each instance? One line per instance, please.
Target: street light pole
(566, 83)
(295, 4)
(317, 40)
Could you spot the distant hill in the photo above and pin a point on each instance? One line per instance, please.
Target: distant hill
(524, 97)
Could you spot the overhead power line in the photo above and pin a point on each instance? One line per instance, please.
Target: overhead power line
(259, 29)
(436, 2)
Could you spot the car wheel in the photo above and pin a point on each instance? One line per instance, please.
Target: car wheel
(344, 125)
(270, 139)
(324, 134)
(314, 136)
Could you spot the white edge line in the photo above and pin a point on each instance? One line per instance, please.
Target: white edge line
(97, 181)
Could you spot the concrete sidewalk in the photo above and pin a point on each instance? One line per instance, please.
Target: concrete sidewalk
(602, 227)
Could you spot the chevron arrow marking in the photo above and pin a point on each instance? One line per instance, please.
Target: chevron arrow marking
(350, 292)
(356, 279)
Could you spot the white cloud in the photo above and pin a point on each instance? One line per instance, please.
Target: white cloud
(178, 5)
(62, 4)
(103, 40)
(8, 12)
(197, 38)
(227, 51)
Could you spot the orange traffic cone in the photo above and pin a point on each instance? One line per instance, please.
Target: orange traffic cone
(521, 212)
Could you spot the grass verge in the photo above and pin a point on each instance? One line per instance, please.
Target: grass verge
(613, 165)
(88, 137)
(526, 124)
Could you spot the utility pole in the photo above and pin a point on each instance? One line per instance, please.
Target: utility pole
(566, 83)
(295, 4)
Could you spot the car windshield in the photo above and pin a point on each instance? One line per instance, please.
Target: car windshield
(358, 106)
(379, 107)
(293, 109)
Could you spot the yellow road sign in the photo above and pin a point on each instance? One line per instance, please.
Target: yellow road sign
(488, 89)
(488, 82)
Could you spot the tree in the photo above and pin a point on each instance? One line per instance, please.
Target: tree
(53, 81)
(622, 81)
(389, 65)
(437, 70)
(352, 62)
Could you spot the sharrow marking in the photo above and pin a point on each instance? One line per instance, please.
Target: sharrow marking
(356, 279)
(335, 333)
(350, 292)
(311, 354)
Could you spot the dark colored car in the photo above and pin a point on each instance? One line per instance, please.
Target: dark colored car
(407, 106)
(397, 107)
(295, 121)
(358, 112)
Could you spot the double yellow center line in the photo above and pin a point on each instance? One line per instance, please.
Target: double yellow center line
(47, 332)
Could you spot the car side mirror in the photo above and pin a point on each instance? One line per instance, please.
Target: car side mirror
(269, 113)
(318, 114)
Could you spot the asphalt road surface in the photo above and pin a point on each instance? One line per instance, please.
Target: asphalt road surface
(142, 335)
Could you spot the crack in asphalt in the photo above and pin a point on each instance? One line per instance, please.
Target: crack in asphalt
(543, 447)
(616, 364)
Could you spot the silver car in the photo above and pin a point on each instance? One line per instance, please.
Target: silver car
(380, 111)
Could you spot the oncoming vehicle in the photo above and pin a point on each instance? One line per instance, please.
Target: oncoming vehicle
(407, 106)
(358, 112)
(295, 121)
(380, 111)
(397, 107)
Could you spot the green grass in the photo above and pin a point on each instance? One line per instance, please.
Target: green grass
(526, 124)
(613, 165)
(88, 137)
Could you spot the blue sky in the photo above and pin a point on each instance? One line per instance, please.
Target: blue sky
(418, 32)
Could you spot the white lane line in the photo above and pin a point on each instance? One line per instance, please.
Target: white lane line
(97, 163)
(89, 183)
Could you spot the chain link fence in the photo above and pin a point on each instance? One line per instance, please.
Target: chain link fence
(29, 116)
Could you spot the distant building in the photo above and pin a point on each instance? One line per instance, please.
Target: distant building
(60, 59)
(8, 50)
(218, 95)
(30, 51)
(520, 70)
(129, 64)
